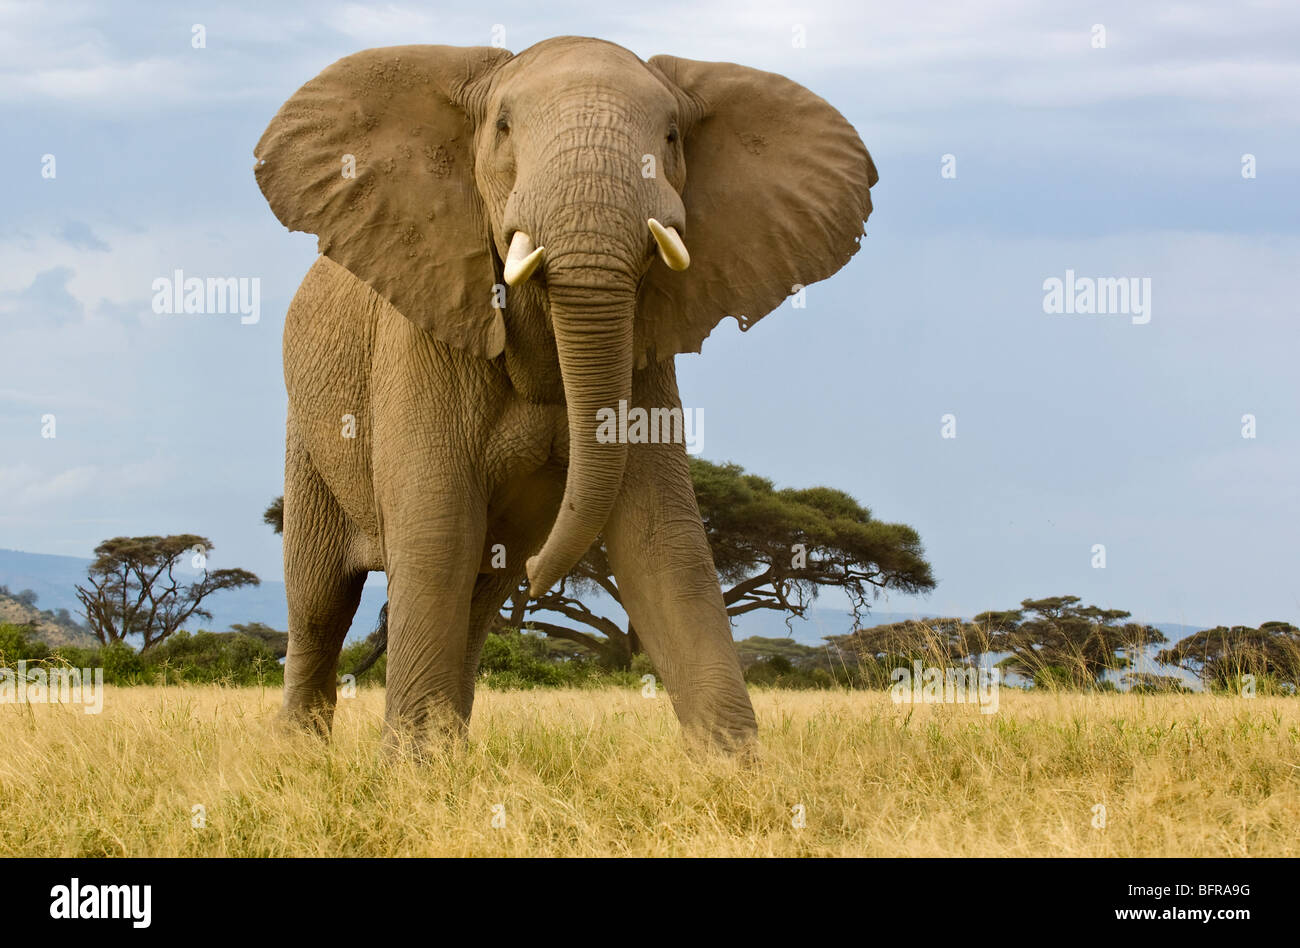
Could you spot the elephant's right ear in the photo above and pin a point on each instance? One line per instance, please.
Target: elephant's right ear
(376, 157)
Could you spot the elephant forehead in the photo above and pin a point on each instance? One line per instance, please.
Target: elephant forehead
(601, 71)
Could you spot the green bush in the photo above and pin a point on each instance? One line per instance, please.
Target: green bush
(76, 657)
(16, 645)
(516, 660)
(641, 666)
(778, 671)
(1055, 677)
(122, 664)
(356, 653)
(1265, 686)
(202, 657)
(205, 657)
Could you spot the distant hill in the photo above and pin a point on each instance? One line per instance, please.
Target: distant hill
(46, 625)
(52, 578)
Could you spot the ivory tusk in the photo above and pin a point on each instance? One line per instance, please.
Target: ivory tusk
(522, 259)
(671, 249)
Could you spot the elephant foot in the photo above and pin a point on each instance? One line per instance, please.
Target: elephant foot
(314, 717)
(426, 734)
(314, 725)
(739, 744)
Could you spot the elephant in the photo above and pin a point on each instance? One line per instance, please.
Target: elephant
(508, 245)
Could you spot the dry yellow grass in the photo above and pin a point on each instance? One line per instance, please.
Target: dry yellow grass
(604, 773)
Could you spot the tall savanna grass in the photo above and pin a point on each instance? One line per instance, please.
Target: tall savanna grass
(604, 772)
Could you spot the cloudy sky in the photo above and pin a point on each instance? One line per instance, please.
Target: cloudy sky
(1071, 430)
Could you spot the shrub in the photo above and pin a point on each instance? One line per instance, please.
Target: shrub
(519, 660)
(1148, 684)
(778, 672)
(122, 664)
(77, 657)
(356, 653)
(1057, 677)
(641, 666)
(229, 657)
(515, 660)
(16, 645)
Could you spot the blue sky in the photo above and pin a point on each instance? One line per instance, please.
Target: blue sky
(1076, 430)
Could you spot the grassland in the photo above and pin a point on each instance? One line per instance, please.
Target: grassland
(603, 772)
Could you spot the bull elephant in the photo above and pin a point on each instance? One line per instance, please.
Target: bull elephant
(504, 253)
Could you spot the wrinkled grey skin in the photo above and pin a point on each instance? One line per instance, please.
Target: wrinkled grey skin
(475, 425)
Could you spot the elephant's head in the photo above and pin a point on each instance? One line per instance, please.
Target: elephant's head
(440, 174)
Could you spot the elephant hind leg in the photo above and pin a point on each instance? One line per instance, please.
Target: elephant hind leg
(490, 593)
(323, 587)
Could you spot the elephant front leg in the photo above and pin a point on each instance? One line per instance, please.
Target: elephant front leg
(661, 560)
(431, 558)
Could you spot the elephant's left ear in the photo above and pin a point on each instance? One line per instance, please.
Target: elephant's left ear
(375, 157)
(777, 190)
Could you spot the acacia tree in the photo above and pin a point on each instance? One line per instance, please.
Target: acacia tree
(273, 515)
(132, 587)
(1220, 656)
(938, 641)
(1057, 639)
(1049, 639)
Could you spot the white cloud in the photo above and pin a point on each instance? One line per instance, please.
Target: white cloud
(46, 300)
(36, 273)
(25, 486)
(98, 58)
(387, 24)
(106, 82)
(899, 57)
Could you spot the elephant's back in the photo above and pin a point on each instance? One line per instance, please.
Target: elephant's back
(328, 341)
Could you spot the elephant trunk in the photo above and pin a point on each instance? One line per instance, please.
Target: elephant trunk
(593, 336)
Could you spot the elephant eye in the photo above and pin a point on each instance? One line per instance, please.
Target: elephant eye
(503, 125)
(672, 135)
